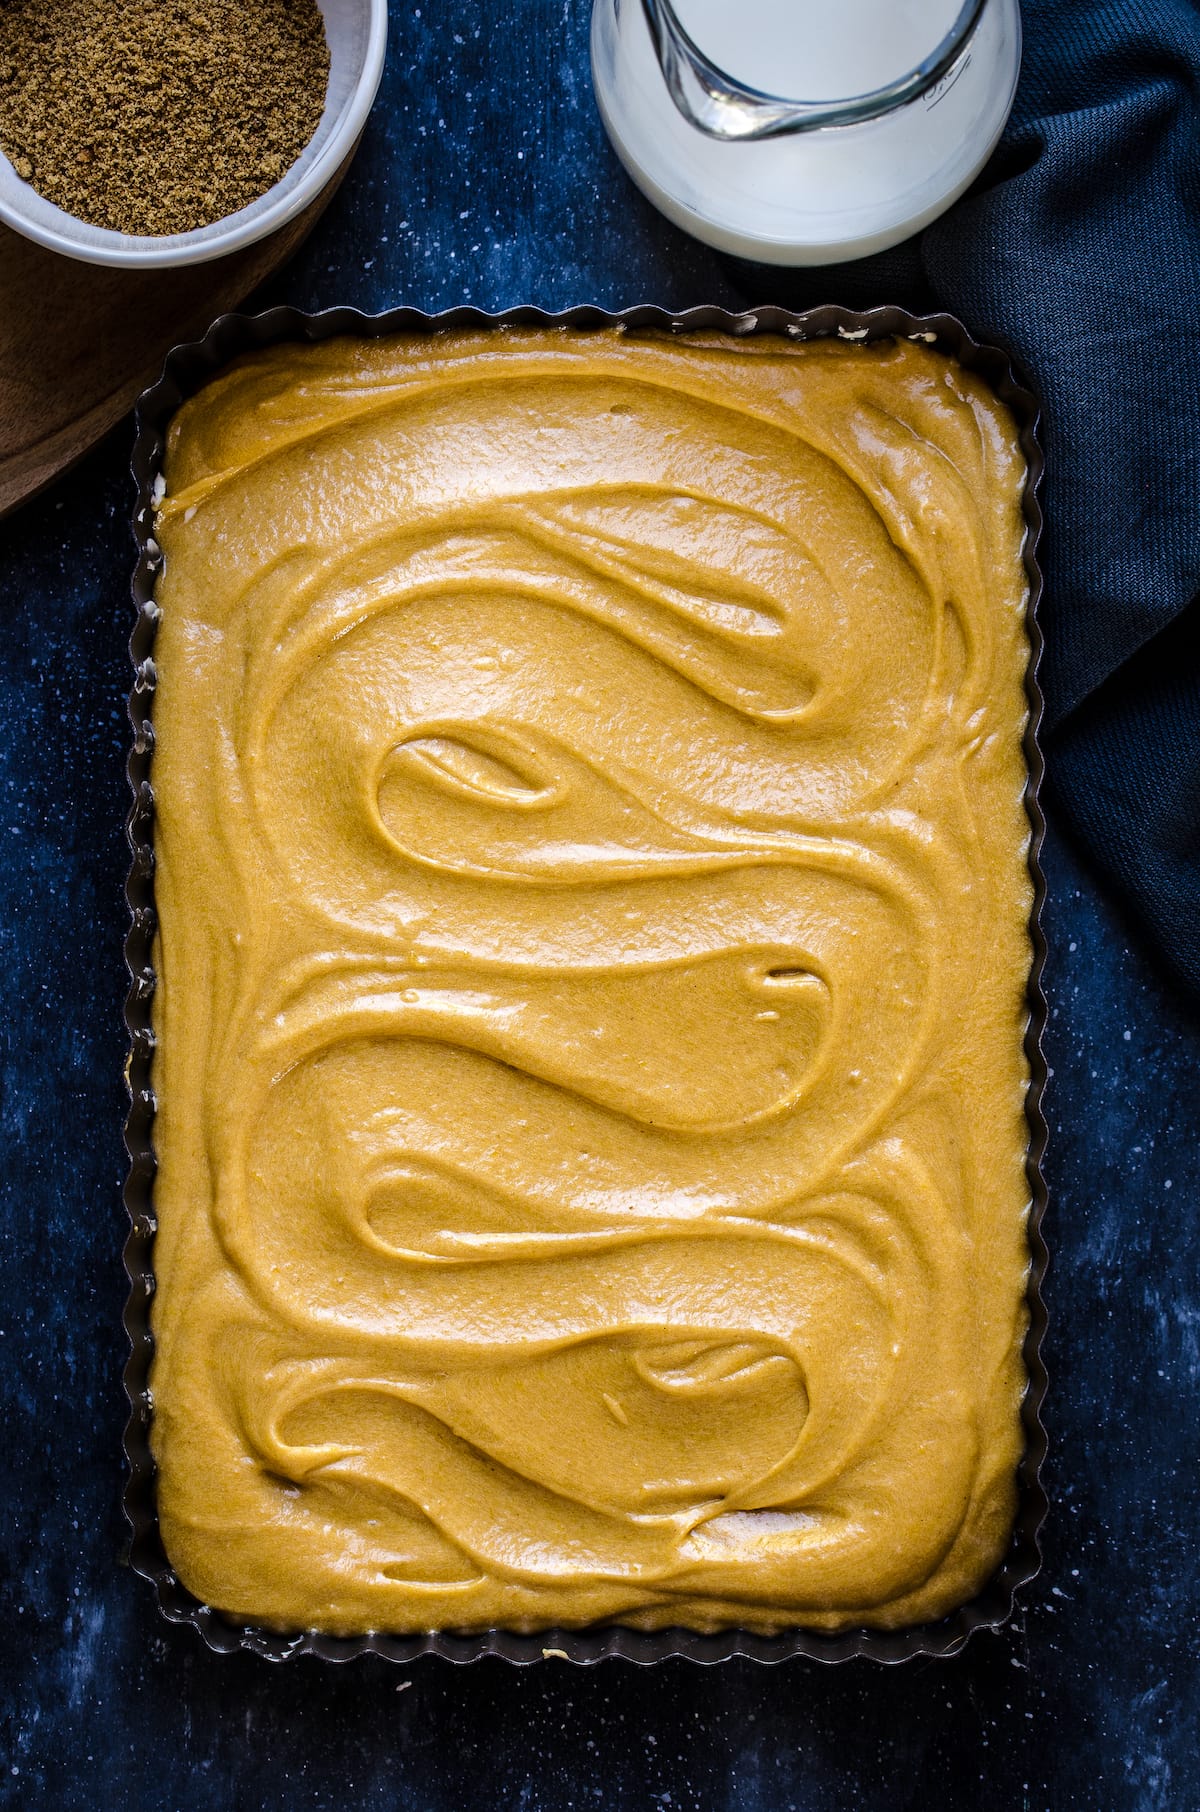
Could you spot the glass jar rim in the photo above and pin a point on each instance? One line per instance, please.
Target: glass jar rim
(723, 107)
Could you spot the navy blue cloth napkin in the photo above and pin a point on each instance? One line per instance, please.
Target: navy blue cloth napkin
(1079, 250)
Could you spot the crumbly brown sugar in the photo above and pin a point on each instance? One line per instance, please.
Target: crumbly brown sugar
(155, 119)
(591, 875)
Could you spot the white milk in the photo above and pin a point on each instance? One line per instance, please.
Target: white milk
(812, 197)
(816, 53)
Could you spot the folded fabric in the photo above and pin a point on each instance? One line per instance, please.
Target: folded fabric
(1079, 250)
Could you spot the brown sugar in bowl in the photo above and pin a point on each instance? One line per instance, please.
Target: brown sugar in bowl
(356, 35)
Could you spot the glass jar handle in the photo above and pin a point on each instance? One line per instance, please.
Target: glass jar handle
(722, 108)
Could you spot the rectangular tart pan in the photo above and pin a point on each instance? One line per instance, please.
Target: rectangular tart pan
(186, 370)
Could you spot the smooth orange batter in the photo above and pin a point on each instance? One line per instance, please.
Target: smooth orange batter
(593, 898)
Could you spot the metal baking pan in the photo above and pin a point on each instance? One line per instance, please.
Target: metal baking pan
(186, 369)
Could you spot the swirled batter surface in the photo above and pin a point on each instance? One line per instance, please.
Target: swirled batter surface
(593, 948)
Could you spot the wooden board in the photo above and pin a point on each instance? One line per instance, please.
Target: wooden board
(78, 342)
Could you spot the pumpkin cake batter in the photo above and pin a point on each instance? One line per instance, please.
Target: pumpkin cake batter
(593, 900)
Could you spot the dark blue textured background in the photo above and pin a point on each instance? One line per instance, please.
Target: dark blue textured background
(484, 177)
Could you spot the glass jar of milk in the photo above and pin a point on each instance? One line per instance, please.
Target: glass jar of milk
(804, 131)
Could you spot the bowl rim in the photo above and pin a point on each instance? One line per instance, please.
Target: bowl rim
(257, 220)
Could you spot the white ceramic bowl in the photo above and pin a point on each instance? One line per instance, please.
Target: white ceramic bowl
(357, 35)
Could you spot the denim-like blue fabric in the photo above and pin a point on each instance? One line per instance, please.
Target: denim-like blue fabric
(1087, 261)
(1079, 250)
